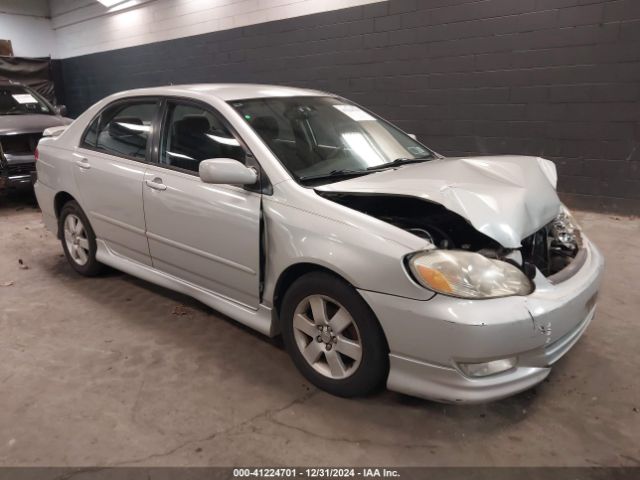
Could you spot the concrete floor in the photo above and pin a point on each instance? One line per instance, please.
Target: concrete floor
(116, 371)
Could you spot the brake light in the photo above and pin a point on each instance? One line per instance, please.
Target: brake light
(35, 153)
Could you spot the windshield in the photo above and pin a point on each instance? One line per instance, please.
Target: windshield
(324, 137)
(18, 100)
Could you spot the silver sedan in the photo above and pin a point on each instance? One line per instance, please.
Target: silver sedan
(301, 214)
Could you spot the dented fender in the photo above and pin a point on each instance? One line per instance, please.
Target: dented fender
(366, 252)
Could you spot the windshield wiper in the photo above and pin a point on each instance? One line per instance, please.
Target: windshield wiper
(348, 172)
(334, 174)
(397, 162)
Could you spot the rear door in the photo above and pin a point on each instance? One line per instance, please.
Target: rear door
(109, 170)
(208, 235)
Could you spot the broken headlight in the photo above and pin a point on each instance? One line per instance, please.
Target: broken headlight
(565, 231)
(468, 274)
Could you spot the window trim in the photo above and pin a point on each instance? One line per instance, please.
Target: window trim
(137, 99)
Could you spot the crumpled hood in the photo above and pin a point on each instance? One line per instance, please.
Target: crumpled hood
(505, 197)
(30, 123)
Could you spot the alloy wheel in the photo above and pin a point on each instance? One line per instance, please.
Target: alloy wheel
(327, 337)
(75, 237)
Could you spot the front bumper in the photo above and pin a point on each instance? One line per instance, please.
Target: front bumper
(17, 174)
(15, 181)
(428, 339)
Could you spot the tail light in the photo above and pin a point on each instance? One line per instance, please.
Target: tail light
(36, 154)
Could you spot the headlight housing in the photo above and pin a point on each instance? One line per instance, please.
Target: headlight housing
(566, 231)
(465, 274)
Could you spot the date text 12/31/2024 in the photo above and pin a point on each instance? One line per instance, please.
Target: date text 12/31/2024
(324, 472)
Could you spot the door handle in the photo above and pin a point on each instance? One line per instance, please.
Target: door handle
(156, 184)
(83, 163)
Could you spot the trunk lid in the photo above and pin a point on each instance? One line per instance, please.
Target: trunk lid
(29, 123)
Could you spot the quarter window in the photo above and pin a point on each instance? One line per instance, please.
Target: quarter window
(91, 134)
(193, 134)
(123, 129)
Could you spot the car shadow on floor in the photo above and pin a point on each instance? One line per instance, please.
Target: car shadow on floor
(173, 314)
(181, 306)
(13, 201)
(190, 312)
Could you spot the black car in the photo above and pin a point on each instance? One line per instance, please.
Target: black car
(24, 115)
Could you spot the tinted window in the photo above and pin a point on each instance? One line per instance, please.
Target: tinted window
(124, 129)
(91, 134)
(192, 134)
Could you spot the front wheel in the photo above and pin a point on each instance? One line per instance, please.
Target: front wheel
(78, 240)
(333, 336)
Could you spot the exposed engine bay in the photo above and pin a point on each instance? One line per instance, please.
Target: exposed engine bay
(550, 249)
(554, 246)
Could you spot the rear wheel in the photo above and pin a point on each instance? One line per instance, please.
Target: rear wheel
(333, 336)
(78, 240)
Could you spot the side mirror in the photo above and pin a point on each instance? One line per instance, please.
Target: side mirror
(226, 171)
(413, 135)
(61, 110)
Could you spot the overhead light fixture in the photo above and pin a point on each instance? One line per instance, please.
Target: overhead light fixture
(123, 5)
(111, 3)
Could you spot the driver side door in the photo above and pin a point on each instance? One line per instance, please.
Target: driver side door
(207, 235)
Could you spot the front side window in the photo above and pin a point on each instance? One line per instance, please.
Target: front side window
(192, 134)
(19, 100)
(123, 129)
(323, 137)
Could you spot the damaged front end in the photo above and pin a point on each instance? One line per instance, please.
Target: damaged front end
(491, 228)
(555, 246)
(550, 250)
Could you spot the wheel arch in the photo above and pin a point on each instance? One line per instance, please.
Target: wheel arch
(374, 372)
(59, 201)
(290, 274)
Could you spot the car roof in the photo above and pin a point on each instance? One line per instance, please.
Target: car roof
(227, 91)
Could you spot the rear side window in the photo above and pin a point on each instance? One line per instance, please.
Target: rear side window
(122, 129)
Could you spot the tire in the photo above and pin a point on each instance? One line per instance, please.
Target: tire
(331, 360)
(78, 240)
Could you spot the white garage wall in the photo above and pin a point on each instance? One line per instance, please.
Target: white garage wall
(26, 24)
(30, 36)
(84, 26)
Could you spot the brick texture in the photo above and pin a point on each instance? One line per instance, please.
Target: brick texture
(558, 79)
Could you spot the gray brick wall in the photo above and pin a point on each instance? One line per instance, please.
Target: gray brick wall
(554, 78)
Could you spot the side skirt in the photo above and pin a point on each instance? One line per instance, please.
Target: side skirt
(259, 319)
